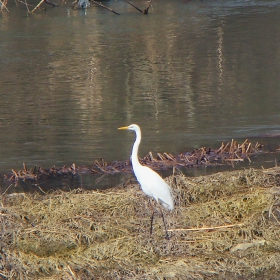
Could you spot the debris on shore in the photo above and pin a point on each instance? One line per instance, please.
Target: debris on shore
(76, 4)
(229, 153)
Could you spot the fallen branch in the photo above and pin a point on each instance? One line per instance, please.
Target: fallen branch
(51, 3)
(101, 5)
(3, 5)
(145, 11)
(133, 6)
(6, 190)
(205, 228)
(42, 1)
(198, 157)
(24, 3)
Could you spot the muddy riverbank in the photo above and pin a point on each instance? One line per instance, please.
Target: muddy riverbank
(224, 226)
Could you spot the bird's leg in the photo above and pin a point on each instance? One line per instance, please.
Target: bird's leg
(152, 218)
(166, 233)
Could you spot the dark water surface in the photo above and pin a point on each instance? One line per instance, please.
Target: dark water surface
(190, 73)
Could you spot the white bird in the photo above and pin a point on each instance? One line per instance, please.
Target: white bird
(151, 183)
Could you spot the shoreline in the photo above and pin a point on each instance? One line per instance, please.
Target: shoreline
(223, 225)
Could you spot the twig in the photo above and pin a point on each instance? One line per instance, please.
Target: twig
(208, 228)
(134, 6)
(221, 148)
(97, 164)
(24, 167)
(145, 12)
(225, 147)
(15, 173)
(42, 1)
(74, 4)
(41, 189)
(275, 218)
(71, 272)
(98, 180)
(160, 157)
(3, 5)
(169, 156)
(150, 156)
(248, 148)
(26, 4)
(6, 190)
(101, 5)
(231, 146)
(51, 3)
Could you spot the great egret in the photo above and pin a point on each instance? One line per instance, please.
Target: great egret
(151, 183)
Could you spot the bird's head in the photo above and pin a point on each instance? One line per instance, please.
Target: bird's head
(132, 127)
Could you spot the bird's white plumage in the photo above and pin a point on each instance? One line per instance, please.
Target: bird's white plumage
(151, 183)
(154, 186)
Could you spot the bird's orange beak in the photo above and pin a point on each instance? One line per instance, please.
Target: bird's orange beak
(123, 128)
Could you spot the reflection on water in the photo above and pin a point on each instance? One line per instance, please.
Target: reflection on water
(191, 73)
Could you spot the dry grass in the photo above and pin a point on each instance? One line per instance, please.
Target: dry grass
(224, 226)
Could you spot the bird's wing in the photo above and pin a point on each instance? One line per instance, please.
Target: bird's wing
(153, 185)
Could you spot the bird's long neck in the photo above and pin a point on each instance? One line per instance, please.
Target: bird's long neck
(134, 155)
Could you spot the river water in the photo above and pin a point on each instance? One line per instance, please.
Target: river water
(190, 73)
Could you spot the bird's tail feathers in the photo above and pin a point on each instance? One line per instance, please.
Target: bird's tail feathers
(169, 205)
